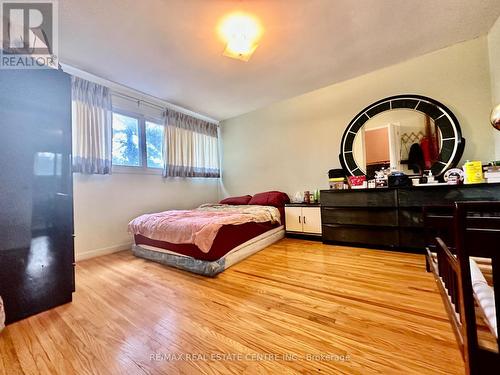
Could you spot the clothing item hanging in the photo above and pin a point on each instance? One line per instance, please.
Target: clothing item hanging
(416, 158)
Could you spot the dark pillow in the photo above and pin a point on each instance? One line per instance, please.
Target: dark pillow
(270, 198)
(237, 200)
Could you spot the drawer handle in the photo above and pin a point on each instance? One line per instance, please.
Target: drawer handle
(299, 220)
(304, 219)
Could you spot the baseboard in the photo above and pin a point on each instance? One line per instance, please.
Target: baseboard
(103, 251)
(304, 236)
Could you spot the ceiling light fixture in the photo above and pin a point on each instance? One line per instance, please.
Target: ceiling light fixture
(241, 33)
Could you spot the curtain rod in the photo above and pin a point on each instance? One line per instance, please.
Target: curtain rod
(138, 101)
(153, 105)
(119, 90)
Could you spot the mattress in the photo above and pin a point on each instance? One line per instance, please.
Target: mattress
(228, 237)
(209, 267)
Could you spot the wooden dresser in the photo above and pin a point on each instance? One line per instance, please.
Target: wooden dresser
(390, 217)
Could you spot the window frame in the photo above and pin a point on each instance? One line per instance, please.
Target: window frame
(142, 168)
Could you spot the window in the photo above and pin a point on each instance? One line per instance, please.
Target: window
(137, 142)
(125, 140)
(154, 145)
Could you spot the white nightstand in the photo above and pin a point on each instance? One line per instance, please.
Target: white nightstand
(303, 219)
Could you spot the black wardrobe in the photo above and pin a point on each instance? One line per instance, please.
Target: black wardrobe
(36, 196)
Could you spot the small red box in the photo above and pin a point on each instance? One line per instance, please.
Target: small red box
(356, 180)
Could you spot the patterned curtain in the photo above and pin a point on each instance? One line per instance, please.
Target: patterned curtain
(191, 147)
(92, 127)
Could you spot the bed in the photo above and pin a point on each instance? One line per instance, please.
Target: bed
(212, 237)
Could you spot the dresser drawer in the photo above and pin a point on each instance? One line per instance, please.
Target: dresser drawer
(428, 196)
(361, 235)
(361, 198)
(360, 216)
(411, 217)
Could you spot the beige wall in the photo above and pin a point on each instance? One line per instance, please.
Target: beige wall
(105, 204)
(291, 145)
(494, 50)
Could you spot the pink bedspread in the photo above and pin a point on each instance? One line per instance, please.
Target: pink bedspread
(199, 226)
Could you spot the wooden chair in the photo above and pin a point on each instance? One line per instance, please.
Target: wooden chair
(473, 230)
(438, 222)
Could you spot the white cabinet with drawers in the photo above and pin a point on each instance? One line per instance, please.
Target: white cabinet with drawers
(303, 219)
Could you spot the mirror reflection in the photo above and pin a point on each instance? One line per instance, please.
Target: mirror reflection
(401, 139)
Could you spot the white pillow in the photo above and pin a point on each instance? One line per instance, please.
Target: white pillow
(484, 295)
(475, 273)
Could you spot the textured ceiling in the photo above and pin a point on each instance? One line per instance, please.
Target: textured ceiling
(170, 48)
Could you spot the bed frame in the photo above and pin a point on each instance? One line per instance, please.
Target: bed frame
(469, 229)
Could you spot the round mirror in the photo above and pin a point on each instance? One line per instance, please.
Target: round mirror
(402, 139)
(409, 133)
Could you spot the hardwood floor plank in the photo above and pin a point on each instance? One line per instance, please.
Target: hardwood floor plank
(10, 364)
(30, 352)
(297, 298)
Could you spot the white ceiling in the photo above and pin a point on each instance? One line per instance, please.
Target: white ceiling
(170, 48)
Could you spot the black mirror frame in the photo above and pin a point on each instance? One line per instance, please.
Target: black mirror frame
(453, 143)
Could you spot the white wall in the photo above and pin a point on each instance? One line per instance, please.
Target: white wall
(104, 205)
(291, 145)
(494, 51)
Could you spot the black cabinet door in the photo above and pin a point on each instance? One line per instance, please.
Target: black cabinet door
(359, 198)
(360, 216)
(36, 203)
(447, 195)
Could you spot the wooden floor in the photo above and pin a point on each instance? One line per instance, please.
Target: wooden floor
(295, 307)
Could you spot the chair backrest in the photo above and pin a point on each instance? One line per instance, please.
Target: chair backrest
(438, 222)
(467, 229)
(477, 234)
